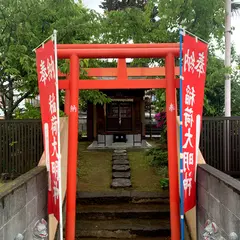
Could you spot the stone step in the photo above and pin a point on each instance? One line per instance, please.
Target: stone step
(121, 183)
(123, 211)
(119, 154)
(119, 157)
(121, 174)
(120, 168)
(120, 162)
(118, 151)
(123, 196)
(136, 238)
(122, 228)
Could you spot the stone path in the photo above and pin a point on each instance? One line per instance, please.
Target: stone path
(121, 176)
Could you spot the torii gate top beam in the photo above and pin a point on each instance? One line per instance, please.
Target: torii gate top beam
(117, 46)
(118, 53)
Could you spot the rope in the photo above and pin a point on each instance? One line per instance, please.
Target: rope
(183, 30)
(42, 43)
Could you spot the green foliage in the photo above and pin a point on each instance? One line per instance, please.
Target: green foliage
(163, 138)
(111, 5)
(159, 160)
(164, 183)
(31, 112)
(235, 89)
(160, 103)
(159, 157)
(25, 24)
(214, 87)
(93, 96)
(162, 172)
(136, 24)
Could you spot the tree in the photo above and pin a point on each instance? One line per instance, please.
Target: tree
(235, 6)
(113, 5)
(23, 25)
(214, 87)
(135, 24)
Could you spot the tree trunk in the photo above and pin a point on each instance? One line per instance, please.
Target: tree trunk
(9, 115)
(9, 100)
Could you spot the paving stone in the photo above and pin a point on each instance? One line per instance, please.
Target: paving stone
(120, 151)
(121, 174)
(121, 183)
(120, 168)
(119, 154)
(119, 157)
(121, 162)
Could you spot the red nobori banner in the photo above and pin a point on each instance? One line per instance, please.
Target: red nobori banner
(193, 82)
(50, 121)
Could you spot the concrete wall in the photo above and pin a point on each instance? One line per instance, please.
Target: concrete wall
(22, 203)
(218, 200)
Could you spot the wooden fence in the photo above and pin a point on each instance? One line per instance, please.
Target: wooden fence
(220, 143)
(21, 145)
(151, 130)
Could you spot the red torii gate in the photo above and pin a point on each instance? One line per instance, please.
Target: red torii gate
(73, 84)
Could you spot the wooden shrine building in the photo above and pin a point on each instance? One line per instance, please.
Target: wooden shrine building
(121, 120)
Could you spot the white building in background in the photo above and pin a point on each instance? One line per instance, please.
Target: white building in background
(33, 101)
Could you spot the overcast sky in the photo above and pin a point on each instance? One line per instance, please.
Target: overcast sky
(94, 4)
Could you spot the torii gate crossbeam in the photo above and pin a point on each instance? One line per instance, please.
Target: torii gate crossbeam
(76, 51)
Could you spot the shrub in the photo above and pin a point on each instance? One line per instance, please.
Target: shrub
(162, 124)
(163, 172)
(160, 161)
(160, 119)
(159, 157)
(164, 183)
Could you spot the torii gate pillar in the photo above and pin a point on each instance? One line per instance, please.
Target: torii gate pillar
(72, 148)
(171, 109)
(73, 85)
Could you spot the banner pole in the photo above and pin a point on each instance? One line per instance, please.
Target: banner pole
(180, 140)
(59, 149)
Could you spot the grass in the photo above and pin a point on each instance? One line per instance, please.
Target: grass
(153, 142)
(94, 169)
(144, 177)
